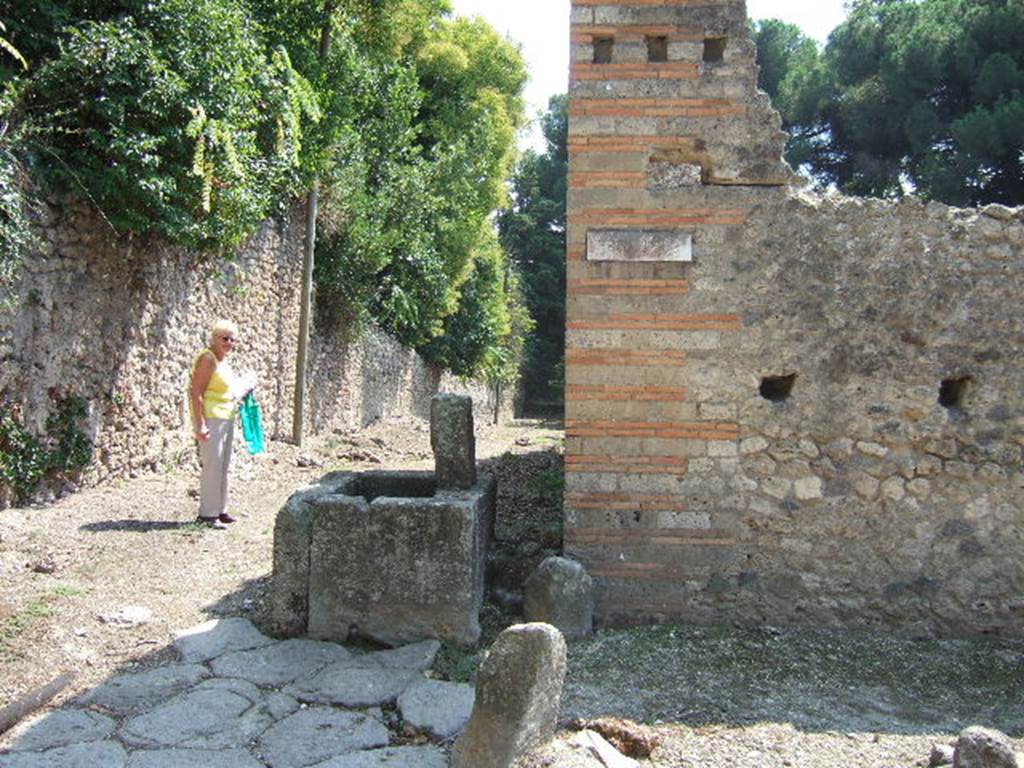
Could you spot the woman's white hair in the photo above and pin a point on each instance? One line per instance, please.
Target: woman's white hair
(223, 326)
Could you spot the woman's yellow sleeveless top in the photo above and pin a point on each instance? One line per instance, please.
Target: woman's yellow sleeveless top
(217, 400)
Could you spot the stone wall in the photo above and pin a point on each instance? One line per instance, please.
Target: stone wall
(118, 320)
(779, 407)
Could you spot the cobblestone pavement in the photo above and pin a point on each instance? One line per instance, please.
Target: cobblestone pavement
(239, 699)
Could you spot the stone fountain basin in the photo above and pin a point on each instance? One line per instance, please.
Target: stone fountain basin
(385, 556)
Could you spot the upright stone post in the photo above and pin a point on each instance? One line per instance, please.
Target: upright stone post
(518, 693)
(453, 441)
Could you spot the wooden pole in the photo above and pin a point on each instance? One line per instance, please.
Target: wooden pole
(308, 250)
(21, 708)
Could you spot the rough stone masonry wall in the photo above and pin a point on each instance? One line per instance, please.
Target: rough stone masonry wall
(119, 320)
(701, 286)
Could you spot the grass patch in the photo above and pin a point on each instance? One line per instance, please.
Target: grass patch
(40, 608)
(459, 665)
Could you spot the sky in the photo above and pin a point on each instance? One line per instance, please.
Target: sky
(541, 27)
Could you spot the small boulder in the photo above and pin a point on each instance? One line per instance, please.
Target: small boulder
(561, 593)
(518, 693)
(979, 747)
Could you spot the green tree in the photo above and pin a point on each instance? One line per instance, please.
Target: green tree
(926, 94)
(533, 232)
(171, 116)
(414, 178)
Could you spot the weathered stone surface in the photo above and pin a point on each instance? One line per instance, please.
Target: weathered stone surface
(108, 754)
(519, 687)
(62, 727)
(293, 530)
(400, 569)
(390, 757)
(561, 593)
(280, 663)
(137, 691)
(418, 656)
(193, 758)
(212, 638)
(979, 747)
(217, 714)
(639, 245)
(314, 735)
(350, 686)
(438, 707)
(453, 441)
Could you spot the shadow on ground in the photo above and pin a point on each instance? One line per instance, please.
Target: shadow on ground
(818, 680)
(137, 526)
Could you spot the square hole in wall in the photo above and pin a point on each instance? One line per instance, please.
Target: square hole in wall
(953, 393)
(714, 49)
(657, 49)
(603, 47)
(777, 388)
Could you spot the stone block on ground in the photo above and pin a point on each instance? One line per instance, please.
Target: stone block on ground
(212, 638)
(438, 707)
(979, 747)
(561, 593)
(398, 570)
(518, 693)
(314, 735)
(453, 441)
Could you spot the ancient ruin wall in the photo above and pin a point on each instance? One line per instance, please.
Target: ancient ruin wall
(118, 321)
(780, 407)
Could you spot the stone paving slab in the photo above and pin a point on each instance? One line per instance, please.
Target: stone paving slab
(107, 754)
(63, 728)
(280, 663)
(234, 702)
(392, 757)
(438, 707)
(313, 735)
(138, 691)
(354, 686)
(210, 718)
(194, 758)
(218, 636)
(419, 656)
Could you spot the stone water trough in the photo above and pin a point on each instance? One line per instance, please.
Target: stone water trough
(393, 557)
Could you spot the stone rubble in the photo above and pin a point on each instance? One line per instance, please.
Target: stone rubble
(240, 699)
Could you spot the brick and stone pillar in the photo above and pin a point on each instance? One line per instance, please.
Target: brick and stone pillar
(669, 145)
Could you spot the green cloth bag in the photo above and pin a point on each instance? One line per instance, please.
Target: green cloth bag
(252, 423)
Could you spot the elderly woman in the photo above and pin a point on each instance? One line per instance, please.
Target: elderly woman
(214, 393)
